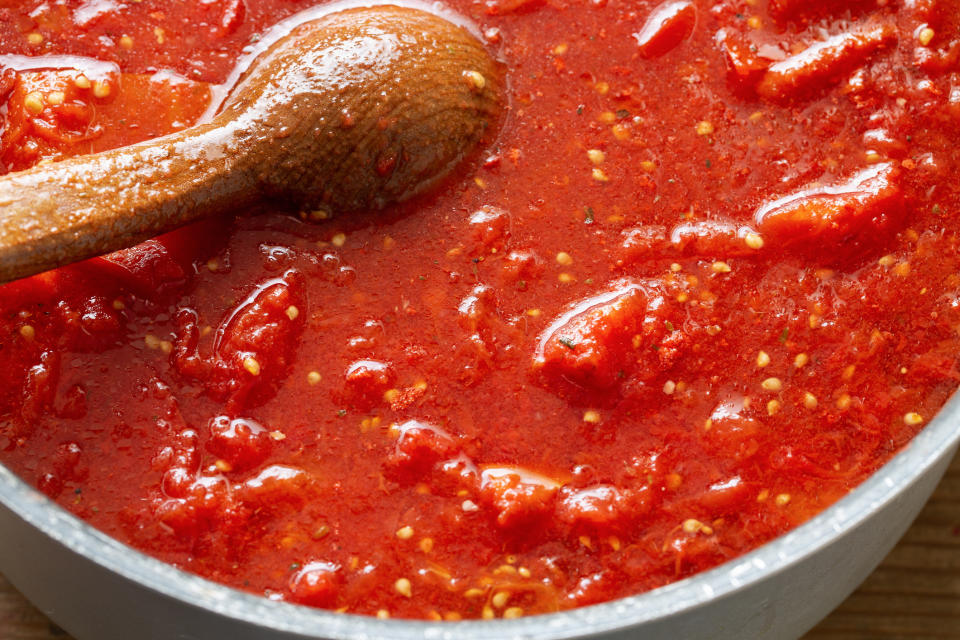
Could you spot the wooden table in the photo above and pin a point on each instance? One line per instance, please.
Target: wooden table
(914, 594)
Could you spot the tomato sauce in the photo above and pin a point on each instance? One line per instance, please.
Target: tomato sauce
(705, 281)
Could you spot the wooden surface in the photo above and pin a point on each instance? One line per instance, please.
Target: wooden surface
(914, 594)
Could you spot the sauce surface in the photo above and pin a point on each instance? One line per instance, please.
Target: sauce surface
(706, 281)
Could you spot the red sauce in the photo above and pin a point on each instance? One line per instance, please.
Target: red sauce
(704, 284)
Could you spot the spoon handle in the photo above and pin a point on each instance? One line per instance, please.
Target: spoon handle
(81, 207)
(351, 111)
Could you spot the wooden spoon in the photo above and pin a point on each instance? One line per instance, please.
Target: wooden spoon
(353, 110)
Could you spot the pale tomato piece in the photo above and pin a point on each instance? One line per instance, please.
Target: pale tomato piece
(501, 7)
(794, 9)
(51, 115)
(276, 485)
(710, 238)
(158, 266)
(601, 508)
(824, 63)
(255, 342)
(366, 380)
(144, 269)
(745, 67)
(419, 447)
(316, 584)
(641, 243)
(490, 229)
(590, 343)
(240, 442)
(727, 496)
(517, 495)
(668, 25)
(823, 218)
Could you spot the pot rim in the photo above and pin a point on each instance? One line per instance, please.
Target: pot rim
(883, 486)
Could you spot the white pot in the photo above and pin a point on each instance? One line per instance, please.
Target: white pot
(99, 589)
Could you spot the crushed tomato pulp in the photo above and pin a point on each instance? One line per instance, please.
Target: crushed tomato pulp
(705, 281)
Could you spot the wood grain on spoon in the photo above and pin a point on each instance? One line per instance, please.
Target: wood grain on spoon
(354, 110)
